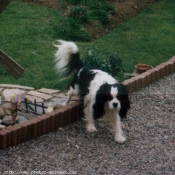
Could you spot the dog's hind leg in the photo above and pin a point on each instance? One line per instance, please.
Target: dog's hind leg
(71, 92)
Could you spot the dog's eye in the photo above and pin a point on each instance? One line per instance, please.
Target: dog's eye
(119, 96)
(110, 97)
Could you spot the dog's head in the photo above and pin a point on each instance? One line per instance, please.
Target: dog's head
(113, 95)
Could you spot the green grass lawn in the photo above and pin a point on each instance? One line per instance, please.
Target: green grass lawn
(26, 34)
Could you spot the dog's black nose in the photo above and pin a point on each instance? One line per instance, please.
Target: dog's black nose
(115, 105)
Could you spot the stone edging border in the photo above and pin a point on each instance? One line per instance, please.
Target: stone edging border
(49, 122)
(14, 135)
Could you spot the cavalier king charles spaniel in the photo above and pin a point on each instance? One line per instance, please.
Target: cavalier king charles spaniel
(103, 96)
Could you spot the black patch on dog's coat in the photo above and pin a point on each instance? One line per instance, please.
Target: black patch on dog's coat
(102, 96)
(124, 100)
(83, 79)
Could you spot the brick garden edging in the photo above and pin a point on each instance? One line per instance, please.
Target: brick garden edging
(43, 124)
(19, 133)
(136, 83)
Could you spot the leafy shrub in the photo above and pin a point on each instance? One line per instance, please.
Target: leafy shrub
(108, 8)
(112, 65)
(96, 9)
(101, 10)
(70, 29)
(116, 64)
(79, 13)
(101, 15)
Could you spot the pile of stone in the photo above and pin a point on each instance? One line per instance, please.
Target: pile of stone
(50, 97)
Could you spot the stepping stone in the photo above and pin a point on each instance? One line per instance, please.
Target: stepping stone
(16, 86)
(48, 91)
(1, 89)
(8, 94)
(32, 98)
(60, 95)
(40, 95)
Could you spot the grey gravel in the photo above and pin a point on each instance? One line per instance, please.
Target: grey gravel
(149, 149)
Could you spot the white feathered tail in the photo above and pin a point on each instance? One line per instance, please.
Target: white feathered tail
(67, 58)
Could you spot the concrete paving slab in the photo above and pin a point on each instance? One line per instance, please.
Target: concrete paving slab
(48, 91)
(40, 95)
(60, 95)
(16, 86)
(32, 98)
(1, 89)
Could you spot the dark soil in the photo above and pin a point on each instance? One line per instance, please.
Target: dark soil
(125, 9)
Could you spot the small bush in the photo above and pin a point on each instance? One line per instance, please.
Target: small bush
(108, 8)
(112, 65)
(70, 29)
(116, 64)
(101, 10)
(79, 13)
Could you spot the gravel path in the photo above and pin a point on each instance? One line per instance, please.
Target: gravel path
(149, 149)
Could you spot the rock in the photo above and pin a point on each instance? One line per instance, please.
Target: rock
(4, 112)
(7, 120)
(21, 119)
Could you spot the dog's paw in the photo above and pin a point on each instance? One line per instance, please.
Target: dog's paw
(91, 128)
(120, 139)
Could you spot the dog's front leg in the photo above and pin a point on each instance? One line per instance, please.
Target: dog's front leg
(118, 130)
(89, 118)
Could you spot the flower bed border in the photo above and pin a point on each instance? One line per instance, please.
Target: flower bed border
(43, 124)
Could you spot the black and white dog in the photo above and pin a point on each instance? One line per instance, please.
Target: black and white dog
(103, 96)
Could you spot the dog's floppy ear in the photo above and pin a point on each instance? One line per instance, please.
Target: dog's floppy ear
(124, 100)
(101, 98)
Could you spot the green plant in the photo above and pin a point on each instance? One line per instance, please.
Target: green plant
(112, 65)
(116, 64)
(101, 10)
(70, 29)
(100, 15)
(79, 13)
